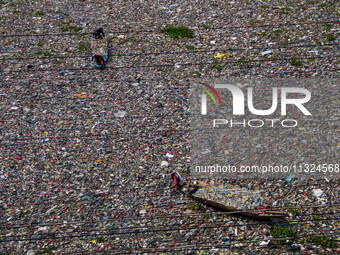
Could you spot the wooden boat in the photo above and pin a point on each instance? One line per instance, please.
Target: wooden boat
(254, 213)
(99, 47)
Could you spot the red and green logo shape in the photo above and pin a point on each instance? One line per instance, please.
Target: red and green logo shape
(204, 97)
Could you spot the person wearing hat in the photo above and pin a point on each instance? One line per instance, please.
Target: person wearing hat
(178, 180)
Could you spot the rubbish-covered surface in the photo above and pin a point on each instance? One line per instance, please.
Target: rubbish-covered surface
(84, 154)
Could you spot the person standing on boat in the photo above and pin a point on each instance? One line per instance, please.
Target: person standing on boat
(99, 60)
(99, 33)
(178, 180)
